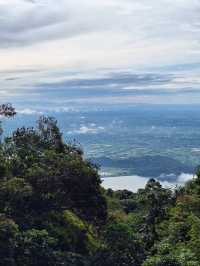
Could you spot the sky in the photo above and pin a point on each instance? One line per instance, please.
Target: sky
(135, 51)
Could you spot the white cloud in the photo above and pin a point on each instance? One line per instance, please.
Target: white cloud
(133, 183)
(96, 34)
(28, 111)
(87, 129)
(183, 178)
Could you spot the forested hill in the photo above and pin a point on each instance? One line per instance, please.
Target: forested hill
(53, 210)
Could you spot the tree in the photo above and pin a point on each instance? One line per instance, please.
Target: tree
(58, 175)
(8, 241)
(121, 247)
(51, 199)
(7, 110)
(156, 200)
(162, 261)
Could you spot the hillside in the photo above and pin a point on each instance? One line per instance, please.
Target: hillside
(53, 210)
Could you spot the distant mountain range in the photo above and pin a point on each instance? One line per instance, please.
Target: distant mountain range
(161, 167)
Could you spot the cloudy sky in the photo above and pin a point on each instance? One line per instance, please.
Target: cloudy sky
(51, 42)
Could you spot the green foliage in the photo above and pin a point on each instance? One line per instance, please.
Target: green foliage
(51, 201)
(35, 247)
(162, 261)
(8, 241)
(54, 212)
(72, 232)
(58, 176)
(121, 247)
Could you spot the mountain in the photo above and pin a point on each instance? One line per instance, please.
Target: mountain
(147, 166)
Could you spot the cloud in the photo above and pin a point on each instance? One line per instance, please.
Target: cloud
(28, 111)
(41, 18)
(183, 178)
(108, 51)
(133, 183)
(97, 34)
(64, 90)
(89, 129)
(47, 20)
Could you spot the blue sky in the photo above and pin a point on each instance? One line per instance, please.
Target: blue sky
(99, 51)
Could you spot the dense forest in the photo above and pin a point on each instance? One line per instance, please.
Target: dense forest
(54, 211)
